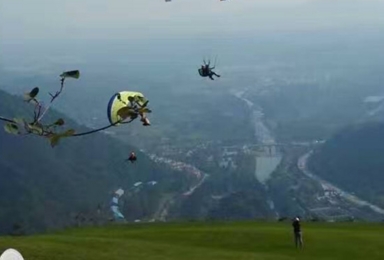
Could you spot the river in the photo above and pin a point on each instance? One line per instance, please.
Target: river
(267, 161)
(303, 166)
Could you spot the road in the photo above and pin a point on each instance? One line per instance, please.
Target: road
(265, 165)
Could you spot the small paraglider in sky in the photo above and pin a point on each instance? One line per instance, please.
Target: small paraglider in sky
(115, 205)
(119, 192)
(207, 71)
(138, 186)
(152, 183)
(132, 157)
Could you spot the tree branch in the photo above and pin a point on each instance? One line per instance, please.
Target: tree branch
(7, 120)
(101, 129)
(53, 97)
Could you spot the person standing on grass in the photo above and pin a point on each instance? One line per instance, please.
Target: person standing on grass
(297, 232)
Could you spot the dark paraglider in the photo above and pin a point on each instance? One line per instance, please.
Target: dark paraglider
(207, 71)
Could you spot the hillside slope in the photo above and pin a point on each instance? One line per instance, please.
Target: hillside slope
(354, 160)
(43, 188)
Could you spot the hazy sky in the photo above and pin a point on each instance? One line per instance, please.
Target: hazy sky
(43, 36)
(128, 19)
(140, 42)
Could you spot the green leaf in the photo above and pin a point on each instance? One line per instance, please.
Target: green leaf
(21, 124)
(11, 128)
(36, 129)
(34, 92)
(54, 139)
(20, 121)
(59, 122)
(141, 101)
(31, 95)
(75, 74)
(145, 110)
(68, 133)
(126, 112)
(145, 103)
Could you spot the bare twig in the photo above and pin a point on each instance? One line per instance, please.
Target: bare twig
(7, 120)
(101, 129)
(53, 97)
(37, 111)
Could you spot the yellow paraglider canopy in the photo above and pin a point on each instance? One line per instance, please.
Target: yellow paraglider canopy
(119, 101)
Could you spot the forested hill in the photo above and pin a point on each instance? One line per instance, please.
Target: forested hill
(354, 160)
(43, 188)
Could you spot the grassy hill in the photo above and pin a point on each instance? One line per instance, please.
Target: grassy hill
(211, 241)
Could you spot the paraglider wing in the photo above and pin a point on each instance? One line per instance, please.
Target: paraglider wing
(115, 201)
(152, 183)
(115, 205)
(116, 213)
(119, 192)
(119, 101)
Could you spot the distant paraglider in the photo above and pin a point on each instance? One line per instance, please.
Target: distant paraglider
(114, 204)
(117, 215)
(207, 71)
(138, 186)
(132, 157)
(152, 183)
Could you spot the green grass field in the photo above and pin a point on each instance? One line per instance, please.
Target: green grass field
(184, 241)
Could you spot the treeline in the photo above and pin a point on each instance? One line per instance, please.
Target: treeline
(354, 160)
(44, 188)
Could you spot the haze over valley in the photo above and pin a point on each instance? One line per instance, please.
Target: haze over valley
(292, 126)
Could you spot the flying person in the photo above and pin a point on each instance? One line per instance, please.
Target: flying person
(204, 70)
(132, 157)
(212, 73)
(207, 71)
